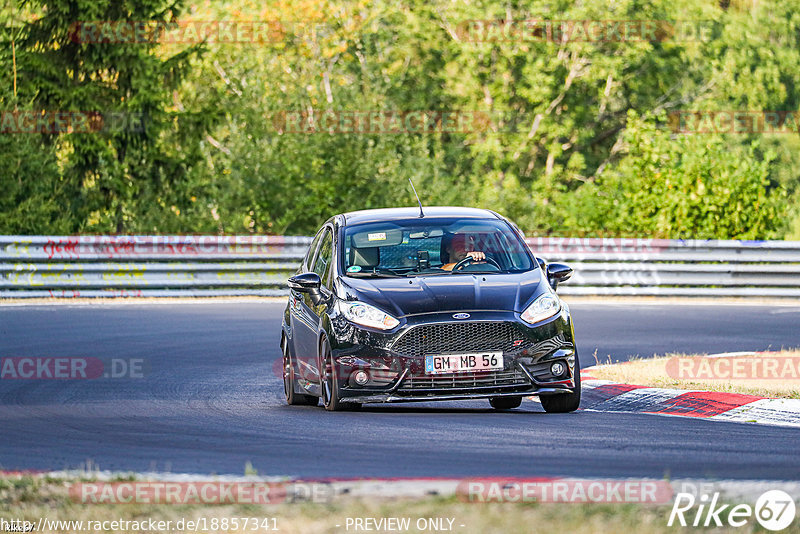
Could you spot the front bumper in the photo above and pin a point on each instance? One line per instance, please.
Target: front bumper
(451, 396)
(399, 375)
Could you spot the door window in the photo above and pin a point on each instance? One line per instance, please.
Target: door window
(311, 249)
(322, 265)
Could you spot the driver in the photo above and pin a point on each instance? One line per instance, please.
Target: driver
(461, 247)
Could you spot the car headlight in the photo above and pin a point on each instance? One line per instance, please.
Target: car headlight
(542, 308)
(366, 315)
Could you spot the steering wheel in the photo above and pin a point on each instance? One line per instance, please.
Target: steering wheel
(469, 260)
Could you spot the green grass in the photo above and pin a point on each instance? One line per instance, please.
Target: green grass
(30, 498)
(653, 372)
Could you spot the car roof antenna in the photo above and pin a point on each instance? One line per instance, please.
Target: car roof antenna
(421, 214)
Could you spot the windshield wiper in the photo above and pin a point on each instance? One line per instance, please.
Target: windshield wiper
(426, 273)
(375, 274)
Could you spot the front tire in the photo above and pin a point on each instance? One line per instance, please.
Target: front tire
(331, 396)
(292, 398)
(564, 402)
(505, 403)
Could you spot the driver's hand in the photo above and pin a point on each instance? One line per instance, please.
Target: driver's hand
(477, 256)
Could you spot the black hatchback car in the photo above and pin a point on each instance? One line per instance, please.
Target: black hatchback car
(409, 305)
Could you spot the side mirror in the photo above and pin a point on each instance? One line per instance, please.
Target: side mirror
(309, 283)
(305, 283)
(557, 273)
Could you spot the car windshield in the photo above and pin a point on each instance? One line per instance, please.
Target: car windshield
(432, 246)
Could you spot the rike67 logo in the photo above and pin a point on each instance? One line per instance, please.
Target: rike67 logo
(774, 510)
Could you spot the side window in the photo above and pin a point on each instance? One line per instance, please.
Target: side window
(311, 249)
(325, 256)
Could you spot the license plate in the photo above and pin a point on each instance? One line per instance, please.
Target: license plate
(453, 363)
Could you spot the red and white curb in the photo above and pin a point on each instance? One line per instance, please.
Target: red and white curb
(605, 396)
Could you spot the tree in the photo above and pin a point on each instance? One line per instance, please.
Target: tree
(133, 160)
(681, 187)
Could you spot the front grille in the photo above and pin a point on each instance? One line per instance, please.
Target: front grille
(446, 338)
(513, 377)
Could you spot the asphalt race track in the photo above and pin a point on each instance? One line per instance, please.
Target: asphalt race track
(211, 400)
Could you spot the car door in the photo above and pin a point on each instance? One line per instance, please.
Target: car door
(303, 322)
(308, 314)
(323, 262)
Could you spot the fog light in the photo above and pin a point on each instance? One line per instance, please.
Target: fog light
(361, 377)
(558, 369)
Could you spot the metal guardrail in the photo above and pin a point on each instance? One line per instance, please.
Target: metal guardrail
(145, 266)
(150, 266)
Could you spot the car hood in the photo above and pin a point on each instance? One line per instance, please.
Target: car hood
(446, 293)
